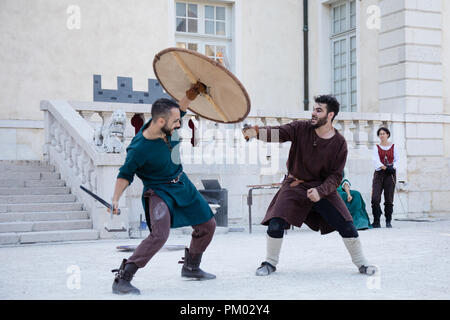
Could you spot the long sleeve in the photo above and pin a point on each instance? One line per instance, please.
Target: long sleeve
(334, 179)
(283, 133)
(376, 159)
(129, 168)
(396, 157)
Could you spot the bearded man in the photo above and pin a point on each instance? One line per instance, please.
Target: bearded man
(169, 198)
(308, 193)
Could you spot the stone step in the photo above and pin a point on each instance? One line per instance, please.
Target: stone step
(29, 226)
(23, 199)
(48, 236)
(36, 206)
(40, 207)
(27, 169)
(43, 216)
(34, 190)
(25, 165)
(14, 183)
(45, 183)
(20, 175)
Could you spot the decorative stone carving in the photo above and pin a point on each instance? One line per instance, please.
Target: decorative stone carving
(110, 136)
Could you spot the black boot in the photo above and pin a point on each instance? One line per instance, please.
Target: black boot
(124, 274)
(388, 209)
(376, 211)
(191, 267)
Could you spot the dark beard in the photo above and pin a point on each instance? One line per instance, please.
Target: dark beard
(320, 122)
(166, 131)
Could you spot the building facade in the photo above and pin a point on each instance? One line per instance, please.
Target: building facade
(387, 61)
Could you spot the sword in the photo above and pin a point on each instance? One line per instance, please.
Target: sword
(103, 202)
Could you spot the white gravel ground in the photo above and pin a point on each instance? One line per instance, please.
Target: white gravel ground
(414, 258)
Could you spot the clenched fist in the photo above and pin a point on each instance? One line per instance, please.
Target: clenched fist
(250, 131)
(313, 194)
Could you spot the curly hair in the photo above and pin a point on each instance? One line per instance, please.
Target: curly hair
(330, 101)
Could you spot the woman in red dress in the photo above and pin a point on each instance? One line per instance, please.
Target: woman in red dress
(385, 159)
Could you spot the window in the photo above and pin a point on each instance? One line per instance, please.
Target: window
(206, 28)
(344, 55)
(187, 17)
(215, 52)
(215, 20)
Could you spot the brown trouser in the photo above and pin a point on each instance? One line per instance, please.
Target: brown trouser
(160, 223)
(383, 182)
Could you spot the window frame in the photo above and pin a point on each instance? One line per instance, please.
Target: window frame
(201, 38)
(347, 34)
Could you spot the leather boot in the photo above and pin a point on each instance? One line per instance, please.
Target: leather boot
(124, 275)
(191, 267)
(376, 211)
(388, 209)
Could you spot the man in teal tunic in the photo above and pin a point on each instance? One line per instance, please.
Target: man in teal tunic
(169, 198)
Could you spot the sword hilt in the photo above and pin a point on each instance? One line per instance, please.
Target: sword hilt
(103, 202)
(118, 211)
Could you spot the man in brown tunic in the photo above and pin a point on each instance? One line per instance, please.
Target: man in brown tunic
(308, 193)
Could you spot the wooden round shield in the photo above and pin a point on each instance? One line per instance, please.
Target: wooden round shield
(225, 100)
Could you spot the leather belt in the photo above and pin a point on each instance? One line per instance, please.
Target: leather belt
(176, 179)
(296, 181)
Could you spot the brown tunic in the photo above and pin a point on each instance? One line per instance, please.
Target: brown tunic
(319, 162)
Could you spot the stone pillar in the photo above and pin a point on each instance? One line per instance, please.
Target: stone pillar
(410, 65)
(411, 83)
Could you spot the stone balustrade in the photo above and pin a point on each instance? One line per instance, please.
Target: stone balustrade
(69, 147)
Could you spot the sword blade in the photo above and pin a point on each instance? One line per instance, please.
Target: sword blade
(96, 197)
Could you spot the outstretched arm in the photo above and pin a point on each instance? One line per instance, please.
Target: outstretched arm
(283, 133)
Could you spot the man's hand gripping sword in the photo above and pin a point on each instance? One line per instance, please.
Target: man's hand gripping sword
(103, 202)
(250, 131)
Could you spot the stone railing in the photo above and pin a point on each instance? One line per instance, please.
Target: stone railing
(69, 147)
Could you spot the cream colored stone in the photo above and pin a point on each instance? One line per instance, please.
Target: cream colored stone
(419, 202)
(272, 28)
(424, 131)
(447, 140)
(440, 201)
(425, 147)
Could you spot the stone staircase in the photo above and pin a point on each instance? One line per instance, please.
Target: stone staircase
(36, 206)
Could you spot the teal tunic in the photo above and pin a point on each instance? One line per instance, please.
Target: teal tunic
(156, 162)
(357, 207)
